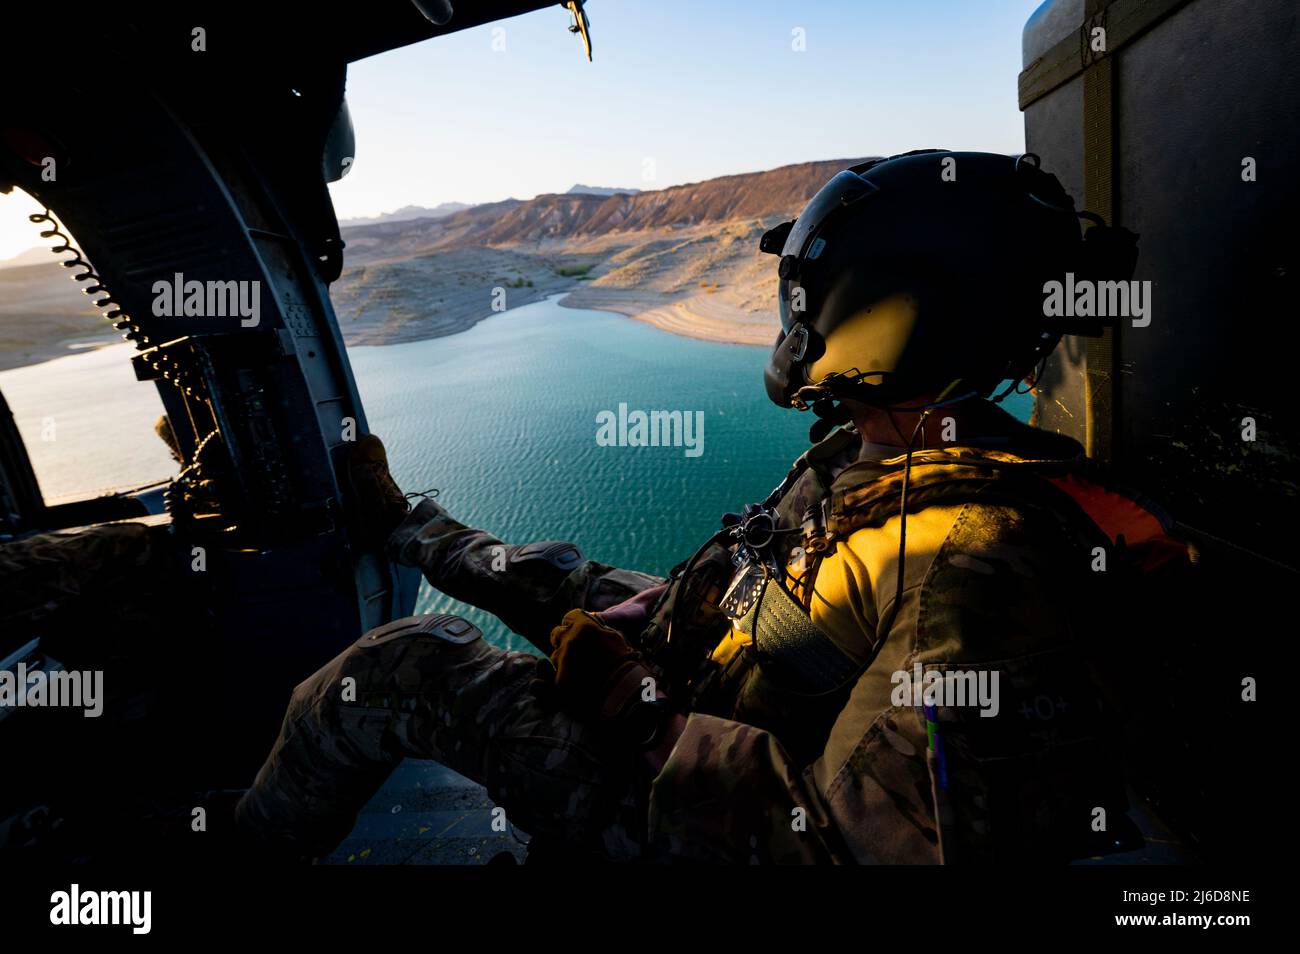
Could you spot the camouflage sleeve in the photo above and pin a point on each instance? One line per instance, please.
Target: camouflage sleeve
(729, 794)
(529, 586)
(43, 572)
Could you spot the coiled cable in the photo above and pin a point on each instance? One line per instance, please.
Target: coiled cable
(114, 313)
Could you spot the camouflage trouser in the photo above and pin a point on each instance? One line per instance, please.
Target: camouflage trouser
(431, 688)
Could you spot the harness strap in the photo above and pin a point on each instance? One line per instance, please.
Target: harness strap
(958, 479)
(790, 647)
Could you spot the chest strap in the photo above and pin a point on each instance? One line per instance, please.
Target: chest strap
(791, 650)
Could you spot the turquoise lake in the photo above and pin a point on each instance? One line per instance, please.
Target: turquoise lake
(503, 420)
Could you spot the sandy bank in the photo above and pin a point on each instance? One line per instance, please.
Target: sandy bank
(695, 316)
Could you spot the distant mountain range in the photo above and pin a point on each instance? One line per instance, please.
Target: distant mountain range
(782, 191)
(408, 212)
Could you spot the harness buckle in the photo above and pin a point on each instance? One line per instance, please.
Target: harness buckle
(816, 520)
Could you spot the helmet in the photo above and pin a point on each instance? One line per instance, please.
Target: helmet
(924, 274)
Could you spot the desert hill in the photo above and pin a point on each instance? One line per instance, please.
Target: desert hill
(684, 258)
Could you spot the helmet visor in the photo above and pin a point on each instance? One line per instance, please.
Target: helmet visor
(842, 190)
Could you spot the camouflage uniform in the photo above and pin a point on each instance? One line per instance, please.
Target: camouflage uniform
(42, 573)
(763, 772)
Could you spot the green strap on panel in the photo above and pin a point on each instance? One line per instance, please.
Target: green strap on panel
(1099, 197)
(1123, 21)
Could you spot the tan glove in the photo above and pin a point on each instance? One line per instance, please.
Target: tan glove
(597, 674)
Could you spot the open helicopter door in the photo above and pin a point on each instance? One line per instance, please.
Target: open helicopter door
(213, 240)
(1177, 120)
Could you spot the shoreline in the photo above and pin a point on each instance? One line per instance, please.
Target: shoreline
(29, 353)
(696, 317)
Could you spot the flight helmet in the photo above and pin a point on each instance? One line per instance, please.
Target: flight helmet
(924, 274)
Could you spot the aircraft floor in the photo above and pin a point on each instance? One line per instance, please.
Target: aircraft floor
(426, 814)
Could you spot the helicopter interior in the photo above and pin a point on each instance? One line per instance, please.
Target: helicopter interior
(246, 572)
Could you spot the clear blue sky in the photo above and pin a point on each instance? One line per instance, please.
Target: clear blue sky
(699, 88)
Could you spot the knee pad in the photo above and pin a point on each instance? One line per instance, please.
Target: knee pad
(561, 555)
(376, 675)
(444, 626)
